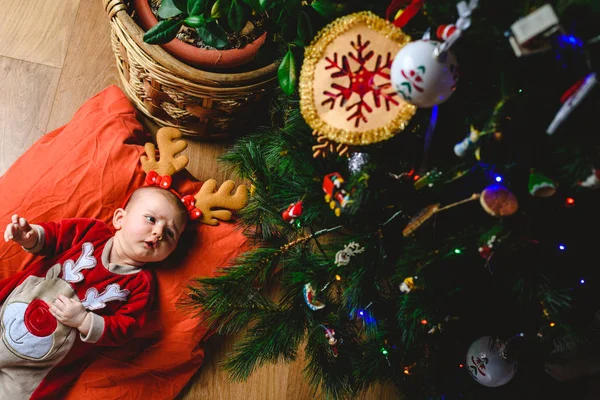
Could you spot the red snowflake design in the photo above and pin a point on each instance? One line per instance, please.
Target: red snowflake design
(361, 80)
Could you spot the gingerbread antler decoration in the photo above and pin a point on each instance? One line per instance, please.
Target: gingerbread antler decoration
(208, 205)
(216, 205)
(159, 172)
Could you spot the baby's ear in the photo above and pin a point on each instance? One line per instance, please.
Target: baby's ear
(118, 216)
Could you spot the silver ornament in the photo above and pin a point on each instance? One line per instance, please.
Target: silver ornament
(357, 161)
(487, 363)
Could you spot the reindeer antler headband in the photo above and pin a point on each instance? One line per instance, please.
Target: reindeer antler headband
(208, 205)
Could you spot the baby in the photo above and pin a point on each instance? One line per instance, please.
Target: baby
(89, 288)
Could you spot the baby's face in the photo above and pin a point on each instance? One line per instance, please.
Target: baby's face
(151, 227)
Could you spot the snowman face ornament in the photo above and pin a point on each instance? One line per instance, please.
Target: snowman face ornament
(420, 77)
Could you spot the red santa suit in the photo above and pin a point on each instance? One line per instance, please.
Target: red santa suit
(75, 264)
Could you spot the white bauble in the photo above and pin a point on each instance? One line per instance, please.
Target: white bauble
(420, 77)
(487, 363)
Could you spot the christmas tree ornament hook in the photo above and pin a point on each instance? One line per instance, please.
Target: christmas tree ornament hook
(462, 24)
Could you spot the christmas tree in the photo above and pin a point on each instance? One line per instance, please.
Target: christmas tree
(433, 231)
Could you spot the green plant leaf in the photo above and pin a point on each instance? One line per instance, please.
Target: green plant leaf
(224, 6)
(280, 15)
(215, 11)
(168, 9)
(304, 28)
(329, 9)
(298, 42)
(287, 73)
(213, 34)
(237, 18)
(196, 7)
(195, 21)
(163, 32)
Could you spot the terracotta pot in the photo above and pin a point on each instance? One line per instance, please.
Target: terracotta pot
(195, 56)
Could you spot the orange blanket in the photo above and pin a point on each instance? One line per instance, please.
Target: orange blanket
(94, 164)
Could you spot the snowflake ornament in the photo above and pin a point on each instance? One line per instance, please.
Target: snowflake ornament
(361, 82)
(345, 91)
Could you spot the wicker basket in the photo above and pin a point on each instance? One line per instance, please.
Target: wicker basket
(203, 105)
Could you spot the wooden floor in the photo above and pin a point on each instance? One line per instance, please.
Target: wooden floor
(54, 55)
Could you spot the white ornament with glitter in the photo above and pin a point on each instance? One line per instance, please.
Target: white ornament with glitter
(425, 72)
(420, 77)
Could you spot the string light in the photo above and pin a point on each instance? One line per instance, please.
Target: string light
(569, 202)
(385, 353)
(561, 247)
(498, 178)
(362, 312)
(552, 324)
(408, 368)
(424, 321)
(338, 278)
(582, 281)
(457, 251)
(569, 40)
(460, 365)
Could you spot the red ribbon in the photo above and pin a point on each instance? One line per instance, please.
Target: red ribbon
(569, 92)
(189, 202)
(407, 14)
(154, 179)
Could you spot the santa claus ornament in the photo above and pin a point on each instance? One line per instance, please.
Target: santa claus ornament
(346, 95)
(292, 213)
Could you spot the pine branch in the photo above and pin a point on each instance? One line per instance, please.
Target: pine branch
(275, 337)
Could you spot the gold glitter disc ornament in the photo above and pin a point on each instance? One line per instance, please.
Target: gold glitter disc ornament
(345, 91)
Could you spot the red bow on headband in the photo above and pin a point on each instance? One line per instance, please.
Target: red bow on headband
(154, 179)
(189, 202)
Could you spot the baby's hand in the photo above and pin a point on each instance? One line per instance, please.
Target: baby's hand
(70, 312)
(21, 232)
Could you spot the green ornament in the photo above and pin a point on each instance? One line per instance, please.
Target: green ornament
(540, 185)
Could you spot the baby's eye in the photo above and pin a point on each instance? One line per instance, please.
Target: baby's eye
(150, 218)
(170, 233)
